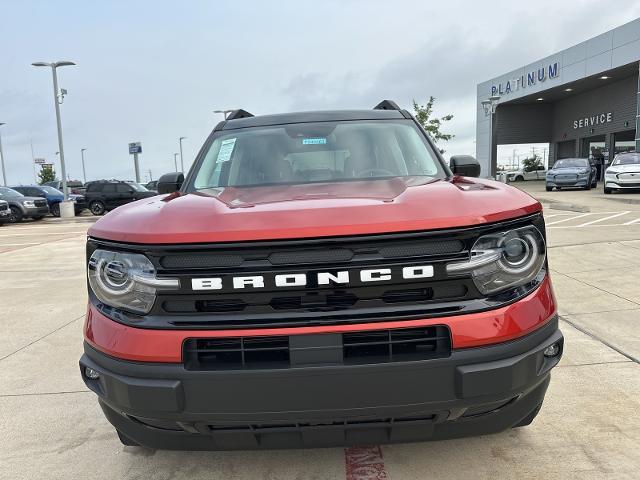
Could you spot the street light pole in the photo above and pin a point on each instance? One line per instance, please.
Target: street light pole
(181, 159)
(175, 160)
(489, 107)
(4, 173)
(84, 174)
(57, 101)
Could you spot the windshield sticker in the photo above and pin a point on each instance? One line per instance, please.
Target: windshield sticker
(226, 149)
(314, 141)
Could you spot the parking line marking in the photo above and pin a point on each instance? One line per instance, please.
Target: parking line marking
(40, 234)
(567, 219)
(364, 463)
(19, 244)
(632, 222)
(603, 219)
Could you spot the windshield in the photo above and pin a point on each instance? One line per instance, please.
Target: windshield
(137, 187)
(627, 160)
(571, 163)
(317, 152)
(51, 190)
(9, 192)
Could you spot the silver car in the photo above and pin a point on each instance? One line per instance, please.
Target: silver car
(623, 173)
(572, 172)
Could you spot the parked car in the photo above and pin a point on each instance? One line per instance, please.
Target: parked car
(152, 186)
(5, 212)
(74, 186)
(104, 195)
(537, 173)
(53, 197)
(321, 278)
(23, 207)
(623, 173)
(572, 172)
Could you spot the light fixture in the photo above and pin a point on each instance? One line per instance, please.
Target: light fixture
(552, 350)
(540, 99)
(568, 89)
(604, 77)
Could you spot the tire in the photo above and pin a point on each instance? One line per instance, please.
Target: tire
(549, 189)
(607, 191)
(97, 207)
(588, 187)
(55, 209)
(529, 418)
(16, 215)
(519, 178)
(126, 441)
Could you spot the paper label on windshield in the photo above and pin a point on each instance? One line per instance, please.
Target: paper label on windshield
(314, 141)
(226, 149)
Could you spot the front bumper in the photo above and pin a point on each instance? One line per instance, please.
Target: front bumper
(31, 212)
(619, 184)
(581, 181)
(473, 391)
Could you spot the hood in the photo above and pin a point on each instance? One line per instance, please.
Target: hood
(633, 167)
(314, 210)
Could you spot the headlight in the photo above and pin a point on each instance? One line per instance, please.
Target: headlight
(610, 174)
(126, 280)
(584, 172)
(29, 203)
(504, 260)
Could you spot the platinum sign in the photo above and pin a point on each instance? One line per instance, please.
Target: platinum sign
(528, 79)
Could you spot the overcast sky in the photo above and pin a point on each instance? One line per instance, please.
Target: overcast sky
(153, 71)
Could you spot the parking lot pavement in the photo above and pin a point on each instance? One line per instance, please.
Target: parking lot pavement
(589, 428)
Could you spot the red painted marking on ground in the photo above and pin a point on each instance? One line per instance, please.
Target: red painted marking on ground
(365, 463)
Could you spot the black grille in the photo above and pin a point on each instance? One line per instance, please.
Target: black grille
(362, 347)
(40, 203)
(355, 300)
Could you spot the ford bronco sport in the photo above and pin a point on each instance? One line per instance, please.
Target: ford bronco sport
(320, 279)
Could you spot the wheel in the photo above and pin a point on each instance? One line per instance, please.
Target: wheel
(607, 191)
(16, 215)
(549, 189)
(519, 178)
(529, 418)
(55, 209)
(97, 207)
(126, 441)
(38, 218)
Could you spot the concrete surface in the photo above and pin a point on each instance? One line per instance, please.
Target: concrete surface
(51, 426)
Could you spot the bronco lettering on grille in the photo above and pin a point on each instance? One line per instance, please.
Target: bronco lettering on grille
(300, 279)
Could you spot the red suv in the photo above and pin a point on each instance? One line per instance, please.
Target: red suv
(320, 279)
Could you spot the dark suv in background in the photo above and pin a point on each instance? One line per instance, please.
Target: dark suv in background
(104, 195)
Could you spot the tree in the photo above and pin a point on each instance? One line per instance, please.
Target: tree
(46, 174)
(532, 163)
(423, 114)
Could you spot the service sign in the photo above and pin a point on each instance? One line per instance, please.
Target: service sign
(39, 161)
(135, 147)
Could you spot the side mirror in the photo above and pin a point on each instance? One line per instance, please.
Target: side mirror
(464, 165)
(170, 182)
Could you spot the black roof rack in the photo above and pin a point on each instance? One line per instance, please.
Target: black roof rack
(387, 105)
(239, 114)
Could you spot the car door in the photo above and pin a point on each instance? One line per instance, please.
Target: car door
(109, 195)
(529, 174)
(125, 192)
(541, 172)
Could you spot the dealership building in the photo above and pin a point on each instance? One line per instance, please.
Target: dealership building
(584, 101)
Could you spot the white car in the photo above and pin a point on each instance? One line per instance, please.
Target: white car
(623, 173)
(538, 173)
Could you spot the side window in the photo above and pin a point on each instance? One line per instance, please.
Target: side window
(109, 188)
(34, 192)
(123, 188)
(93, 187)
